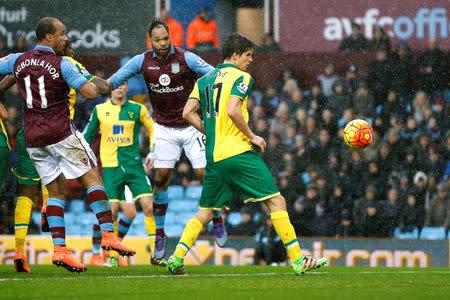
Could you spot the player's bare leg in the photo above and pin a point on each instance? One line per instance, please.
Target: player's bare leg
(219, 227)
(285, 230)
(98, 201)
(162, 179)
(55, 211)
(190, 234)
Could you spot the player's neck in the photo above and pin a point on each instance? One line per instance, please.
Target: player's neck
(46, 44)
(229, 62)
(118, 101)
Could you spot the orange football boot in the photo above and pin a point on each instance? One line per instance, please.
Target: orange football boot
(62, 257)
(111, 242)
(20, 262)
(97, 260)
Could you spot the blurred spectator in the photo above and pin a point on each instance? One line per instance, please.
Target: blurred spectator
(3, 48)
(316, 94)
(202, 32)
(419, 188)
(345, 228)
(363, 102)
(411, 130)
(20, 45)
(374, 223)
(270, 101)
(352, 77)
(355, 42)
(379, 75)
(391, 209)
(359, 211)
(273, 156)
(411, 215)
(401, 75)
(269, 247)
(327, 79)
(432, 67)
(297, 101)
(340, 99)
(439, 213)
(287, 73)
(420, 104)
(247, 227)
(280, 123)
(175, 30)
(269, 44)
(380, 39)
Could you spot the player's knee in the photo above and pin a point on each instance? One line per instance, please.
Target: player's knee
(130, 214)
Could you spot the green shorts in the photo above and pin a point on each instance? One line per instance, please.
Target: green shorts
(4, 157)
(24, 169)
(246, 174)
(133, 176)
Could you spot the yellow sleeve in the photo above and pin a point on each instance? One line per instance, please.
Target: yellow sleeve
(195, 94)
(147, 122)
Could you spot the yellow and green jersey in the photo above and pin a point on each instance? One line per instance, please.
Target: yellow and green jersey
(120, 127)
(213, 90)
(73, 92)
(3, 135)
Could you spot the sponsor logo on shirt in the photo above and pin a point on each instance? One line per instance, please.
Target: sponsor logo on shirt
(164, 80)
(118, 129)
(157, 89)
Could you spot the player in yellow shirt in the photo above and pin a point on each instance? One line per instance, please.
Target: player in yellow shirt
(232, 164)
(119, 121)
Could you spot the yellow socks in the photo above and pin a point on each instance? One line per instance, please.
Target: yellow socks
(22, 214)
(150, 225)
(286, 232)
(190, 234)
(44, 196)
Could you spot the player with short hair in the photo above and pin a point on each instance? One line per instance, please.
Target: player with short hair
(57, 150)
(170, 74)
(232, 164)
(27, 175)
(120, 121)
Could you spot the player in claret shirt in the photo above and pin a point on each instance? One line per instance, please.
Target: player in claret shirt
(57, 150)
(170, 74)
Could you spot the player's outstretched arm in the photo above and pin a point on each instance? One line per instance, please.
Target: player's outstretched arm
(5, 84)
(190, 114)
(235, 113)
(102, 85)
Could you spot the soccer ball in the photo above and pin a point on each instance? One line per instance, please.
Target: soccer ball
(358, 134)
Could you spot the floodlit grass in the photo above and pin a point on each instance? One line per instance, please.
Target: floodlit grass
(225, 282)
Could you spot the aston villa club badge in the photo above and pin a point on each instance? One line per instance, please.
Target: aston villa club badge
(175, 68)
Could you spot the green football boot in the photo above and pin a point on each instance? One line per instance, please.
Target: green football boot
(305, 264)
(175, 266)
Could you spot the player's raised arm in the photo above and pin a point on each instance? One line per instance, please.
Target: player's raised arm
(5, 84)
(129, 70)
(77, 81)
(197, 64)
(7, 63)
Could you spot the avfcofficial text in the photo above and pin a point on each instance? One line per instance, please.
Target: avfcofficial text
(37, 63)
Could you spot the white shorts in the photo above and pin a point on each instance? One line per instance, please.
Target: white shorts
(72, 156)
(170, 142)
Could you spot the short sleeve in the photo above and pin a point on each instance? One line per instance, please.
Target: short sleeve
(195, 94)
(242, 86)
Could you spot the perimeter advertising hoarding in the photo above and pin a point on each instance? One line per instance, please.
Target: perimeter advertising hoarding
(321, 25)
(389, 253)
(95, 26)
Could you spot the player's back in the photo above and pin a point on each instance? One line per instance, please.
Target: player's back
(41, 85)
(223, 138)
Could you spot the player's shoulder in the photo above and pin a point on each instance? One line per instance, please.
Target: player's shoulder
(135, 104)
